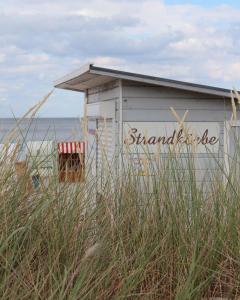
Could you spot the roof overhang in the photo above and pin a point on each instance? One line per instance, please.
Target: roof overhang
(90, 76)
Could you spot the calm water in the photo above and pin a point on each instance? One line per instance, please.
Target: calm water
(56, 129)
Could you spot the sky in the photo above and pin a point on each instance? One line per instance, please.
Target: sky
(41, 41)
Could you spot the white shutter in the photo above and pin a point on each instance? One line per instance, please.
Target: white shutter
(105, 144)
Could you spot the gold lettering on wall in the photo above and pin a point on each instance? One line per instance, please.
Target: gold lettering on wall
(136, 137)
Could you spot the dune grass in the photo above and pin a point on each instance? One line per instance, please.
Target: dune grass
(120, 235)
(181, 241)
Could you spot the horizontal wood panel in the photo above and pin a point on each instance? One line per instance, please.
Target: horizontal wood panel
(177, 103)
(103, 93)
(200, 162)
(155, 91)
(104, 87)
(165, 115)
(102, 97)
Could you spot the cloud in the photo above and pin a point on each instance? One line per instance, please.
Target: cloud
(3, 90)
(2, 57)
(41, 41)
(107, 60)
(35, 58)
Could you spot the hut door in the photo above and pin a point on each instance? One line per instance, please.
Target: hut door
(232, 148)
(105, 146)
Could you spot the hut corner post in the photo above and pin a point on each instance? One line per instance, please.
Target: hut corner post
(120, 125)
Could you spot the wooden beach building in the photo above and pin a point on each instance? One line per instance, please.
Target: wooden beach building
(142, 109)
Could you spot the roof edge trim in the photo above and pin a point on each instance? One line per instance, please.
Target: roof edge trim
(158, 81)
(84, 69)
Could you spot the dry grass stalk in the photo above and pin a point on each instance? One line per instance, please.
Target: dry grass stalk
(236, 95)
(190, 138)
(234, 108)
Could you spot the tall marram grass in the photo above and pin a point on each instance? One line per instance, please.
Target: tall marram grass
(181, 240)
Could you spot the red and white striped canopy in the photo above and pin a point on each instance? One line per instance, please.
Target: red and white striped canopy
(71, 147)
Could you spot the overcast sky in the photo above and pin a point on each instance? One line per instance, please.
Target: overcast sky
(40, 41)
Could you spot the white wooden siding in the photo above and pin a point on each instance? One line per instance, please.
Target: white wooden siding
(103, 106)
(150, 103)
(105, 144)
(147, 91)
(140, 115)
(109, 91)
